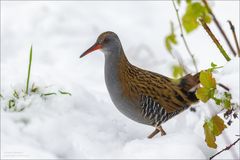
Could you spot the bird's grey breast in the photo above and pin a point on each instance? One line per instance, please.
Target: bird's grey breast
(123, 104)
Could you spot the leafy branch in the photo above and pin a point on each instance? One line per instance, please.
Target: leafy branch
(208, 90)
(213, 128)
(184, 39)
(188, 22)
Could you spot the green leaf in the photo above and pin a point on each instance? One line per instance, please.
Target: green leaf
(193, 12)
(227, 100)
(188, 1)
(213, 128)
(217, 100)
(170, 39)
(218, 125)
(213, 65)
(203, 94)
(227, 104)
(209, 85)
(177, 71)
(209, 137)
(207, 80)
(168, 44)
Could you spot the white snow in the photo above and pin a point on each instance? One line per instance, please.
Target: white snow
(87, 124)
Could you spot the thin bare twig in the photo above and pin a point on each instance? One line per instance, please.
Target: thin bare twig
(225, 149)
(223, 86)
(219, 26)
(213, 37)
(184, 40)
(234, 36)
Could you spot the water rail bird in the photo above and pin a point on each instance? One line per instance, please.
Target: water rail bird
(143, 96)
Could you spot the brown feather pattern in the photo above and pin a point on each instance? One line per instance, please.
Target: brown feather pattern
(136, 82)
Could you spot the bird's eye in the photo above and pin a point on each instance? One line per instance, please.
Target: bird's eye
(106, 40)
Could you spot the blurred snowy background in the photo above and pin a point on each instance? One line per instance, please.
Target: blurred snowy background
(87, 124)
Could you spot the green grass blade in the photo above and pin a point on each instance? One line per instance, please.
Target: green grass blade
(48, 94)
(29, 70)
(64, 92)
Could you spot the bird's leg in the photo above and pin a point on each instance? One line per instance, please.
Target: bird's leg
(162, 131)
(156, 131)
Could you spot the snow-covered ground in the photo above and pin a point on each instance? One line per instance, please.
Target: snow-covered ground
(86, 124)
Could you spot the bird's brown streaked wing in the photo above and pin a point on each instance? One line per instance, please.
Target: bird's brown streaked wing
(167, 93)
(161, 89)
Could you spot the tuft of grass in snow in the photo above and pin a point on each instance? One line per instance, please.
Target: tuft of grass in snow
(19, 100)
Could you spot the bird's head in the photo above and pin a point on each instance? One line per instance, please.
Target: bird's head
(107, 42)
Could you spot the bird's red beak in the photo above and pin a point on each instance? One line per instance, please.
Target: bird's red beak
(95, 47)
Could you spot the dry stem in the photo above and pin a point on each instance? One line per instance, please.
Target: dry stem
(219, 26)
(213, 37)
(225, 149)
(235, 37)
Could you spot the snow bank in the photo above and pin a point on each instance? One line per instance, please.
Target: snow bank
(82, 126)
(73, 127)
